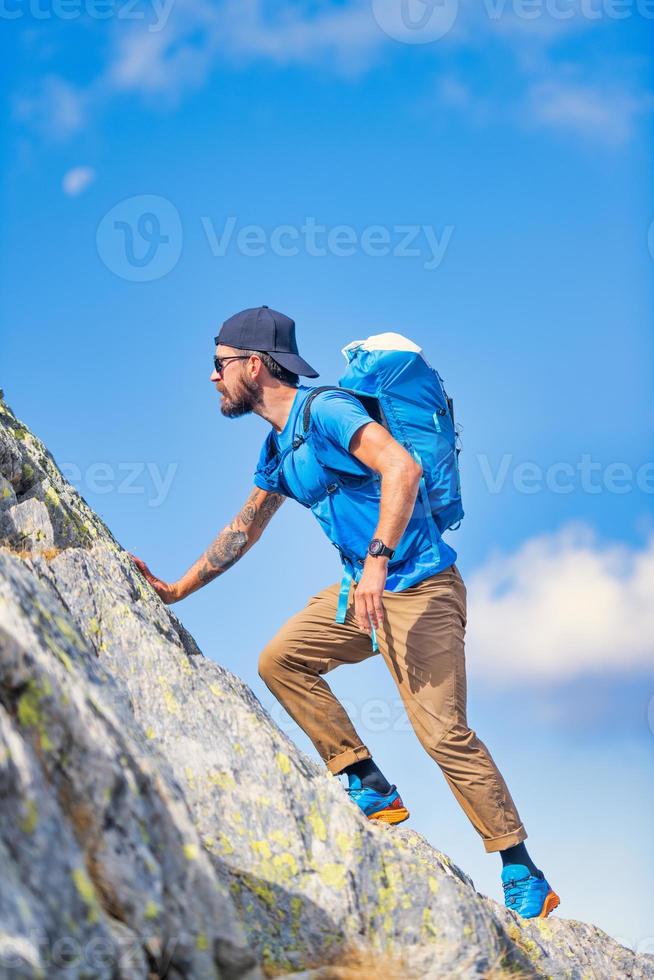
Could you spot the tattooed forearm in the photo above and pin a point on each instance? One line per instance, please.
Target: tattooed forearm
(249, 510)
(232, 542)
(222, 554)
(269, 506)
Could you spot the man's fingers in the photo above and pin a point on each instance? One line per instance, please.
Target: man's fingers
(361, 613)
(378, 611)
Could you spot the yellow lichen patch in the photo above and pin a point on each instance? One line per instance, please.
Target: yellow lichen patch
(224, 780)
(317, 823)
(333, 875)
(261, 848)
(65, 660)
(30, 819)
(433, 884)
(238, 747)
(190, 852)
(428, 929)
(285, 865)
(94, 625)
(52, 497)
(283, 762)
(296, 911)
(544, 927)
(263, 892)
(172, 705)
(86, 892)
(225, 844)
(190, 777)
(344, 842)
(151, 910)
(201, 942)
(29, 710)
(217, 691)
(67, 630)
(150, 733)
(279, 837)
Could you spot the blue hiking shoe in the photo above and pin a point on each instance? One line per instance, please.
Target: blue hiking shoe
(529, 895)
(387, 807)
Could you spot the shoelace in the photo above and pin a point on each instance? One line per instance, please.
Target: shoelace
(513, 883)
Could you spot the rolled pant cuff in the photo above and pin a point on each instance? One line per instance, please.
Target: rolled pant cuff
(507, 840)
(339, 762)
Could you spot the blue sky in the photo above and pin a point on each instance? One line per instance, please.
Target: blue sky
(483, 185)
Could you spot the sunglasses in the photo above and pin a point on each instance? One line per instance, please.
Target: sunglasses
(219, 362)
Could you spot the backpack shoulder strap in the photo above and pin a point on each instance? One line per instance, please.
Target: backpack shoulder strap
(369, 403)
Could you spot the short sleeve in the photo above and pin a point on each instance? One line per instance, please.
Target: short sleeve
(260, 479)
(338, 415)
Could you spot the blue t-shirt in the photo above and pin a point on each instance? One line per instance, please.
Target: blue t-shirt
(337, 416)
(343, 493)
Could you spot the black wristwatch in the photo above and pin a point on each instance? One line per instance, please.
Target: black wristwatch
(378, 549)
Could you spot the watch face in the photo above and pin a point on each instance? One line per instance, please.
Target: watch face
(376, 546)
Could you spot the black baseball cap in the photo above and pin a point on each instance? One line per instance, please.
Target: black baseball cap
(266, 330)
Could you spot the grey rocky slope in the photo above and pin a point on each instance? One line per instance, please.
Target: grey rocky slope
(134, 841)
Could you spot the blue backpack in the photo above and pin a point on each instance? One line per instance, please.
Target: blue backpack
(397, 387)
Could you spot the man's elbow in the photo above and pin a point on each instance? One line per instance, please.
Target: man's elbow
(414, 471)
(408, 468)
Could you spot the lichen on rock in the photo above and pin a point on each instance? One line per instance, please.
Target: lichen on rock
(154, 819)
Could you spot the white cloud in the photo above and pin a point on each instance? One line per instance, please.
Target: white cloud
(76, 181)
(562, 605)
(183, 42)
(199, 36)
(57, 109)
(604, 113)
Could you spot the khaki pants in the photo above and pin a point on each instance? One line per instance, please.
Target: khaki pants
(422, 642)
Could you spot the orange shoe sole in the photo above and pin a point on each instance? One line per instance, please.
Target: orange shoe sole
(551, 902)
(394, 815)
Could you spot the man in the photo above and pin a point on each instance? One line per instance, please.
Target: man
(409, 603)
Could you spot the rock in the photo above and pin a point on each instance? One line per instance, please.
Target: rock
(156, 821)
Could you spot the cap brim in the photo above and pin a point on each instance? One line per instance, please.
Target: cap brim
(294, 363)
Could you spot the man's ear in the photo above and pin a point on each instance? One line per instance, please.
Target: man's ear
(254, 366)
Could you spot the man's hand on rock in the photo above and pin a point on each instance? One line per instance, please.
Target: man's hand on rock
(165, 590)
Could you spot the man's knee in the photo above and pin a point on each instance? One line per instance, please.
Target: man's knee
(270, 660)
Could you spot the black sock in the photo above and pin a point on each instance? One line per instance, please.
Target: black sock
(370, 776)
(518, 854)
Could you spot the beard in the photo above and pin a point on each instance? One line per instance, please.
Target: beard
(246, 398)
